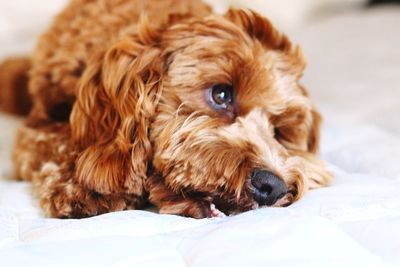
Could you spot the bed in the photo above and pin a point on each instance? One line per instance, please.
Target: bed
(353, 76)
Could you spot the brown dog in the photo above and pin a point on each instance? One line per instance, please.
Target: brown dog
(137, 100)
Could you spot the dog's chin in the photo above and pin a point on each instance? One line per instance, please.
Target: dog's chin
(221, 208)
(285, 201)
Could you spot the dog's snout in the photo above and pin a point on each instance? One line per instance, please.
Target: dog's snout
(267, 187)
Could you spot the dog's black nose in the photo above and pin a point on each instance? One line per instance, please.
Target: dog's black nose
(267, 187)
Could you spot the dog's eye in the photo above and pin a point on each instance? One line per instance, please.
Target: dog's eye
(220, 96)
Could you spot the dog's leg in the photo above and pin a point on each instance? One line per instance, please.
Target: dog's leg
(169, 202)
(44, 156)
(62, 197)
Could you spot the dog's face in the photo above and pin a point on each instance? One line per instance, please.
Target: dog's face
(232, 113)
(222, 116)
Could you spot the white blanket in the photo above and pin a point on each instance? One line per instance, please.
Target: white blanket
(354, 77)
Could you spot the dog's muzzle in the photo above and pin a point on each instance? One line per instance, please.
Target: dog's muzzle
(267, 188)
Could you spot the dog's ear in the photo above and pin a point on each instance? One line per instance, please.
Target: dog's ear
(117, 96)
(260, 28)
(314, 132)
(298, 127)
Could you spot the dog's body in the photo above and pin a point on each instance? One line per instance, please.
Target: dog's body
(180, 107)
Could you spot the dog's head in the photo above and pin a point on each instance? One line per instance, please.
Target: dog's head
(213, 106)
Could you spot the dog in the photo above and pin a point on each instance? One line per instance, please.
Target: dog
(138, 101)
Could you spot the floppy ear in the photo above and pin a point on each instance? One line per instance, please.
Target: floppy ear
(314, 132)
(117, 96)
(259, 27)
(298, 128)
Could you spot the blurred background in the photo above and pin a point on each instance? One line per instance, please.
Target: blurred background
(22, 20)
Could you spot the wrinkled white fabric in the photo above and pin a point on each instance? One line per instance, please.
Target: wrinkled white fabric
(354, 77)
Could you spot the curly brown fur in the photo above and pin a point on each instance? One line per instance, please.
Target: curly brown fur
(120, 111)
(14, 97)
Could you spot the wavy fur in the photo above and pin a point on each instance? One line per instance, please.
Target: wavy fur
(120, 114)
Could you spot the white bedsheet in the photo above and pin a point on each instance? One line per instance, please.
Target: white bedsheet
(354, 76)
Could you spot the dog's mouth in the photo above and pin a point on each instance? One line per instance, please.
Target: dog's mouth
(285, 201)
(220, 207)
(221, 204)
